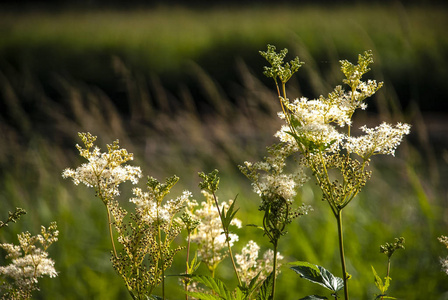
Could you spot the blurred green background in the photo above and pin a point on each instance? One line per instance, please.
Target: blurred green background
(182, 88)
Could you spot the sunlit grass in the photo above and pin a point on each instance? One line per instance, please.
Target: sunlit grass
(165, 36)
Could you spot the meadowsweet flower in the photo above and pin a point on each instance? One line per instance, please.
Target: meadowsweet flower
(154, 213)
(268, 178)
(104, 171)
(209, 233)
(29, 262)
(382, 139)
(249, 265)
(444, 261)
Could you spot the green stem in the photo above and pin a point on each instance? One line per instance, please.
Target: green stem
(188, 261)
(110, 232)
(388, 267)
(341, 251)
(274, 270)
(388, 271)
(226, 232)
(161, 261)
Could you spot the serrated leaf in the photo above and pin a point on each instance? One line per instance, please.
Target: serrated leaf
(266, 287)
(319, 275)
(228, 216)
(215, 284)
(378, 281)
(253, 283)
(331, 282)
(203, 296)
(314, 297)
(194, 264)
(239, 294)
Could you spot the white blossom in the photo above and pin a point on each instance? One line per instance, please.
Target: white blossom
(152, 212)
(104, 171)
(382, 139)
(249, 265)
(29, 260)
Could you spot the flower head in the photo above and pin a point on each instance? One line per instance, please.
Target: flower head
(104, 171)
(249, 265)
(382, 139)
(29, 260)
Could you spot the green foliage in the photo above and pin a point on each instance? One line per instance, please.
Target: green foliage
(389, 248)
(266, 288)
(228, 216)
(319, 275)
(383, 287)
(13, 216)
(210, 181)
(279, 69)
(217, 286)
(160, 190)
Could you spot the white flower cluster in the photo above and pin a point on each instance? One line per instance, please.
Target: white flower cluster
(382, 139)
(30, 262)
(152, 213)
(444, 261)
(209, 234)
(317, 119)
(249, 265)
(268, 177)
(104, 171)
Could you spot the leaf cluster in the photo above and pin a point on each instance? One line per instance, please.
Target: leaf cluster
(221, 292)
(390, 248)
(278, 68)
(318, 275)
(210, 181)
(13, 216)
(353, 73)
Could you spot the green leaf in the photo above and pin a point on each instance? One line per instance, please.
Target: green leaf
(319, 275)
(256, 226)
(215, 284)
(194, 265)
(331, 282)
(239, 294)
(228, 216)
(266, 288)
(384, 297)
(378, 281)
(253, 283)
(203, 296)
(313, 297)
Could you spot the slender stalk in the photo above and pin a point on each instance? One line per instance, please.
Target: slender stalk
(388, 267)
(388, 272)
(274, 270)
(341, 251)
(188, 260)
(110, 232)
(226, 232)
(160, 253)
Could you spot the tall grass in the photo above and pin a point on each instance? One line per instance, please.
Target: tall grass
(172, 133)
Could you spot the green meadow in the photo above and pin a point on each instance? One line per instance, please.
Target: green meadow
(183, 90)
